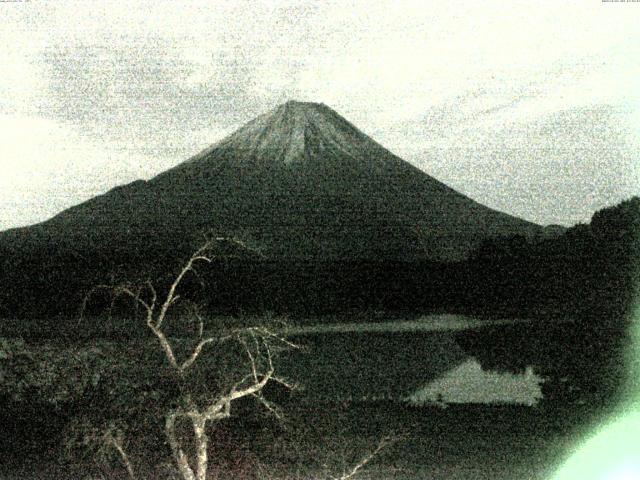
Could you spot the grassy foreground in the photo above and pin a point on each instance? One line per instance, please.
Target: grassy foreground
(323, 440)
(317, 439)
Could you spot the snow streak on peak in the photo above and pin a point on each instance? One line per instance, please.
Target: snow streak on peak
(296, 132)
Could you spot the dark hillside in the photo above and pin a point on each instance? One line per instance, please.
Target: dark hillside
(340, 224)
(300, 184)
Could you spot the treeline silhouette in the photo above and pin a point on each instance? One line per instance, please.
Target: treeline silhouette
(588, 275)
(587, 271)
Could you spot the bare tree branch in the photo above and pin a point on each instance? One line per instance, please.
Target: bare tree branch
(196, 352)
(116, 442)
(269, 333)
(119, 290)
(164, 343)
(199, 255)
(154, 294)
(270, 406)
(384, 442)
(252, 360)
(284, 382)
(236, 394)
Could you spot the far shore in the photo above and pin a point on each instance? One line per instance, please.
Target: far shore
(427, 323)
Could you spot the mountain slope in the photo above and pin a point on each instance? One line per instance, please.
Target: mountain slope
(298, 182)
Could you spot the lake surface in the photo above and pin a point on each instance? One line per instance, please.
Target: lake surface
(484, 432)
(418, 361)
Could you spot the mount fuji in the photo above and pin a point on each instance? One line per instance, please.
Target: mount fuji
(299, 181)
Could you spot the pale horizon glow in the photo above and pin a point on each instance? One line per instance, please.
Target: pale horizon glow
(531, 108)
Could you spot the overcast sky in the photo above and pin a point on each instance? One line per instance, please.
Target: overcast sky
(529, 107)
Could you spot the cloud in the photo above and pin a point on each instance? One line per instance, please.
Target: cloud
(140, 95)
(151, 85)
(549, 146)
(558, 167)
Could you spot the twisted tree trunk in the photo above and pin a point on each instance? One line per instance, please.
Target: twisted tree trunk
(182, 462)
(202, 441)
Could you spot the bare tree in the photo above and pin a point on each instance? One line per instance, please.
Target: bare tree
(259, 344)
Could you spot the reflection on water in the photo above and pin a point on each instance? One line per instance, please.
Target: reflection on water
(419, 361)
(469, 383)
